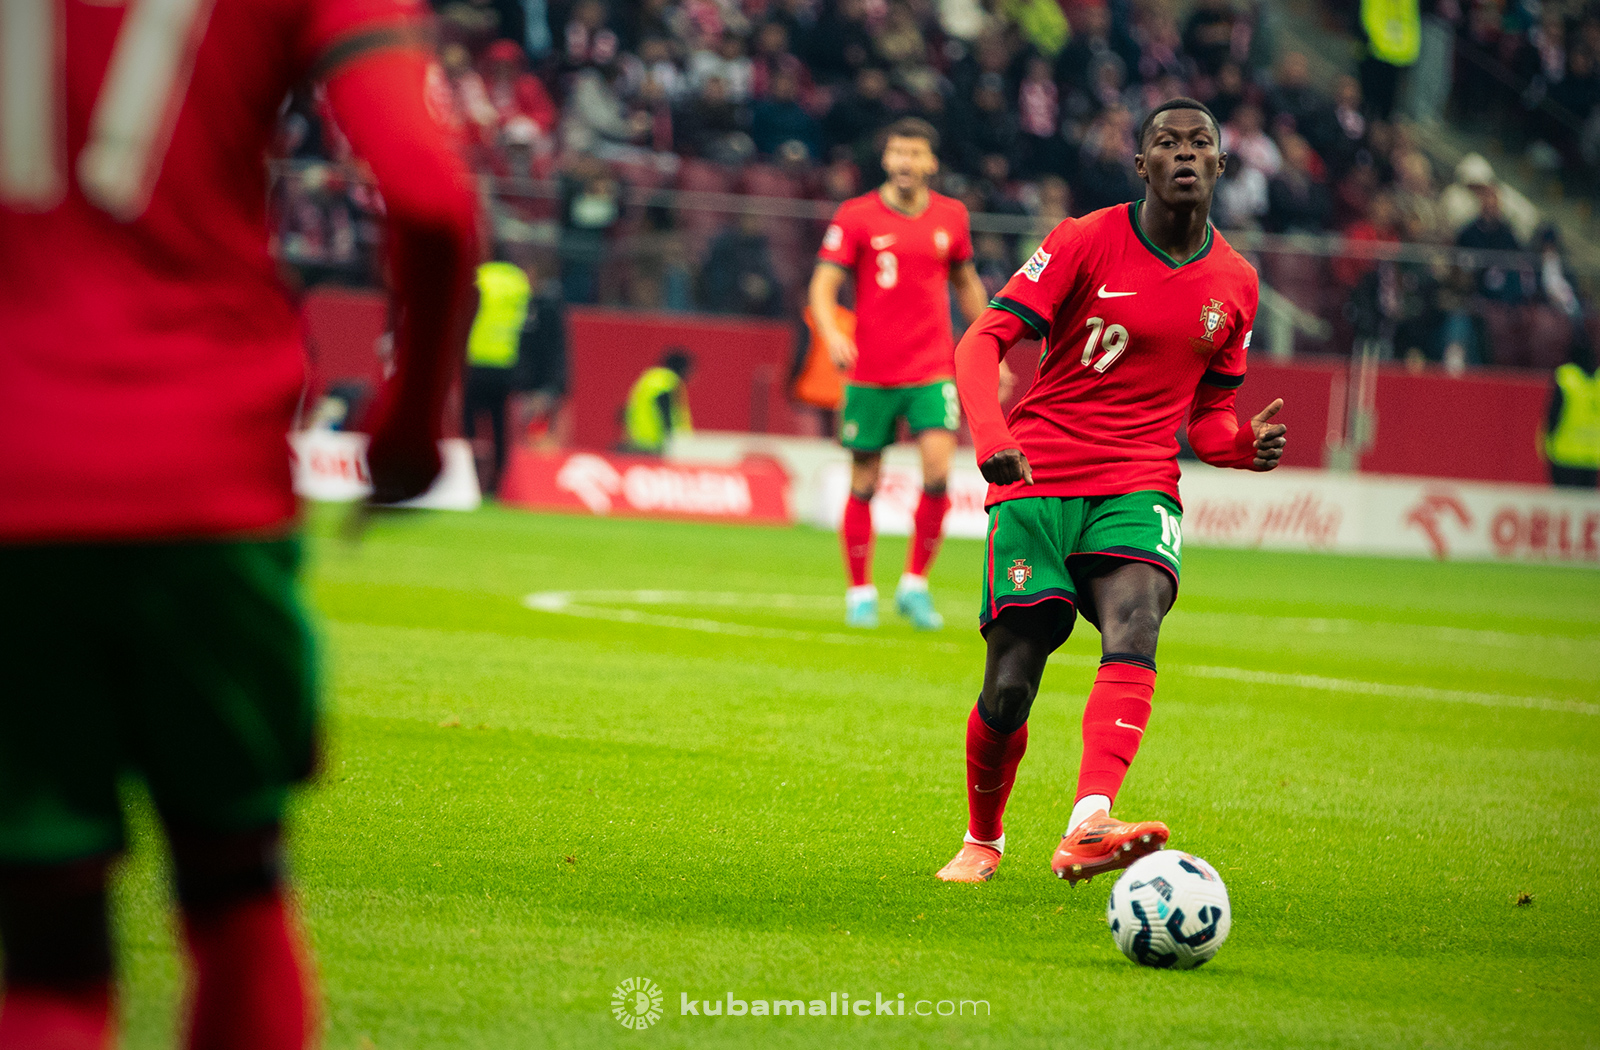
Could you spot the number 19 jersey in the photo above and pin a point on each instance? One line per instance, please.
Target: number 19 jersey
(1129, 333)
(902, 266)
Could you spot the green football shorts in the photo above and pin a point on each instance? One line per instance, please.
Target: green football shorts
(866, 422)
(190, 665)
(1047, 549)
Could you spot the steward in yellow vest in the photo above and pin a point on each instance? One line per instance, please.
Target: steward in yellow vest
(493, 348)
(657, 405)
(1573, 442)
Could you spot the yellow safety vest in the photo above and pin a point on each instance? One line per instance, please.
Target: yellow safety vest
(1394, 30)
(646, 429)
(1575, 442)
(503, 294)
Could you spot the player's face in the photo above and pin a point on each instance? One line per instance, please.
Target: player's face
(1182, 158)
(909, 162)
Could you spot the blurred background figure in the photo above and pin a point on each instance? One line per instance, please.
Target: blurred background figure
(494, 347)
(658, 405)
(1572, 444)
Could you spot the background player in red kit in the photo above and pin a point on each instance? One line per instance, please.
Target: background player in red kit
(1146, 312)
(903, 244)
(149, 371)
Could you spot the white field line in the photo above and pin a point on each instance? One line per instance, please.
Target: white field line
(572, 603)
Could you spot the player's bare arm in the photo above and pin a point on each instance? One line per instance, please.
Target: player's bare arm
(377, 96)
(823, 297)
(980, 359)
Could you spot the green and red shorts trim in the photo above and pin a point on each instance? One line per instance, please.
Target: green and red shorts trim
(1045, 549)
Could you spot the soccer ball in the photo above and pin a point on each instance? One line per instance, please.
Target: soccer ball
(1170, 911)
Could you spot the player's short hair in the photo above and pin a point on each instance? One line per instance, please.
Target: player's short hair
(1176, 103)
(913, 128)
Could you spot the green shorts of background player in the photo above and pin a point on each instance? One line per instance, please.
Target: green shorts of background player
(189, 667)
(868, 422)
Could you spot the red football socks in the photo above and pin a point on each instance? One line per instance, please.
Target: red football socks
(992, 760)
(928, 531)
(252, 988)
(46, 1019)
(856, 536)
(1114, 721)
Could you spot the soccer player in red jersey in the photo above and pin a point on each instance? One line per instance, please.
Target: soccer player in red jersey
(903, 244)
(1146, 314)
(150, 367)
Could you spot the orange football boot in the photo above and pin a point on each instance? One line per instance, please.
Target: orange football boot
(1102, 843)
(975, 863)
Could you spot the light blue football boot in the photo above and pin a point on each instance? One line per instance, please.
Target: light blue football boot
(861, 606)
(911, 600)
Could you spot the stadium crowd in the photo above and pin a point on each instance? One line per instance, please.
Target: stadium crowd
(589, 106)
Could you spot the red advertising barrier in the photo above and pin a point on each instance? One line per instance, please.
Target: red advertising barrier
(1480, 427)
(755, 490)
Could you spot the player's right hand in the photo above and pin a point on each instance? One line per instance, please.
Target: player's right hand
(402, 466)
(1007, 467)
(841, 350)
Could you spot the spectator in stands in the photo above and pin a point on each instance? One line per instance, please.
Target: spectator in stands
(1380, 225)
(596, 120)
(1298, 200)
(513, 91)
(588, 40)
(1094, 39)
(1344, 140)
(1496, 281)
(1246, 141)
(1294, 98)
(986, 126)
(778, 118)
(655, 62)
(713, 126)
(1209, 35)
(854, 120)
(1106, 173)
(900, 44)
(1229, 93)
(591, 204)
(1462, 198)
(773, 56)
(840, 45)
(738, 276)
(727, 62)
(1417, 198)
(1039, 121)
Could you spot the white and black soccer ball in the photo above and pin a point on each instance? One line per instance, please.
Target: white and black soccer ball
(1170, 911)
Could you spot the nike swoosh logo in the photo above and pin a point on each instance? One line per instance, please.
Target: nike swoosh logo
(987, 791)
(880, 243)
(1125, 725)
(1109, 295)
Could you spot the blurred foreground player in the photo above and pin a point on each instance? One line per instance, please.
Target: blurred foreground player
(149, 370)
(904, 245)
(1146, 313)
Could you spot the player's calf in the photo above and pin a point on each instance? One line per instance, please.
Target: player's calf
(56, 939)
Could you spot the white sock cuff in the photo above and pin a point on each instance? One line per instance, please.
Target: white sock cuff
(1086, 807)
(856, 594)
(998, 845)
(912, 582)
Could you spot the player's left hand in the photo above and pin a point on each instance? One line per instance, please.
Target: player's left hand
(1269, 437)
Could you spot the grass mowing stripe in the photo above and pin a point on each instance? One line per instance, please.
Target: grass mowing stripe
(1408, 692)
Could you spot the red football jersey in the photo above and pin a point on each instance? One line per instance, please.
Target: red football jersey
(1129, 333)
(902, 269)
(151, 359)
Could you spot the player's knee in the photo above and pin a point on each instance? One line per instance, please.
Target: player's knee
(214, 869)
(1133, 628)
(54, 929)
(1007, 704)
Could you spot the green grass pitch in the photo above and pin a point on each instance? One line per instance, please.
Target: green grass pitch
(720, 789)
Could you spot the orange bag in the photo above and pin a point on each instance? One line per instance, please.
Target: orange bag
(821, 382)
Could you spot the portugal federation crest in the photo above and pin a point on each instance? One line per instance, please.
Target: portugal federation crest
(1019, 574)
(1212, 317)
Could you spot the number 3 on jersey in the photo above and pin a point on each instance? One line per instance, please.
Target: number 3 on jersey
(888, 270)
(132, 118)
(1115, 342)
